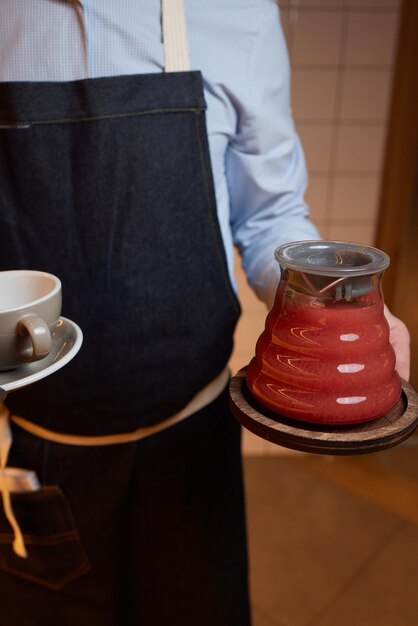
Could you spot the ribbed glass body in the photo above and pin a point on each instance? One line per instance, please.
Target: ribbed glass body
(324, 355)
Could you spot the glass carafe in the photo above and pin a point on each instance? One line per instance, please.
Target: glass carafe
(324, 356)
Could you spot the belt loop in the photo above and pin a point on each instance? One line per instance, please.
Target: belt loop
(175, 40)
(5, 445)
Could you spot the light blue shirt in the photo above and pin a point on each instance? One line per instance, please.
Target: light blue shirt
(258, 165)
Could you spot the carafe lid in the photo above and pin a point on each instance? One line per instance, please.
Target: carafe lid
(332, 258)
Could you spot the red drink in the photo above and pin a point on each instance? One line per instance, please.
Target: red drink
(324, 360)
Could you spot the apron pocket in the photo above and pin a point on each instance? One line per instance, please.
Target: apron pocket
(55, 554)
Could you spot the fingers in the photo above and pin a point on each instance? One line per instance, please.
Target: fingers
(400, 339)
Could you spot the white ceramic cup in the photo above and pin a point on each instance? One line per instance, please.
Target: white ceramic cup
(30, 305)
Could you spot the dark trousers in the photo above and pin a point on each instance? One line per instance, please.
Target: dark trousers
(150, 533)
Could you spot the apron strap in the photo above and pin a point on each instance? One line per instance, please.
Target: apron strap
(203, 397)
(5, 445)
(174, 35)
(176, 50)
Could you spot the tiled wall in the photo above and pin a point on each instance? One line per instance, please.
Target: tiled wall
(342, 54)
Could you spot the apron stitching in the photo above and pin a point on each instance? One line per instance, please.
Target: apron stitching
(70, 120)
(83, 568)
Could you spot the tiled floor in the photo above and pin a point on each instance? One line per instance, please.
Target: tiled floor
(334, 540)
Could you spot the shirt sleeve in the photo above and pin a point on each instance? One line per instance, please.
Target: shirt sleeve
(265, 165)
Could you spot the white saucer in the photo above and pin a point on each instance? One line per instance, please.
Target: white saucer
(67, 338)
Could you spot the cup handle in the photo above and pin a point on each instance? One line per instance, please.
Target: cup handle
(34, 327)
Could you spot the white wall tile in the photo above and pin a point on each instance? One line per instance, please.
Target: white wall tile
(355, 198)
(357, 232)
(249, 328)
(246, 295)
(360, 149)
(366, 95)
(372, 38)
(239, 359)
(323, 226)
(316, 37)
(317, 196)
(314, 94)
(251, 322)
(317, 145)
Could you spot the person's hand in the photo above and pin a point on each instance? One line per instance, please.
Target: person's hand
(400, 339)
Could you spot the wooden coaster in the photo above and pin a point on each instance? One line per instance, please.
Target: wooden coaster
(379, 434)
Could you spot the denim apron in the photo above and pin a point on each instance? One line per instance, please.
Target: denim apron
(107, 183)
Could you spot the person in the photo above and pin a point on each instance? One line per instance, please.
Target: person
(130, 168)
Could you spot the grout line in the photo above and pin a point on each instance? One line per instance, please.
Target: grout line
(337, 113)
(356, 574)
(305, 8)
(341, 221)
(347, 122)
(346, 173)
(357, 67)
(321, 175)
(352, 67)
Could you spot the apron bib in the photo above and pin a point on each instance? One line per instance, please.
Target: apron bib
(107, 183)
